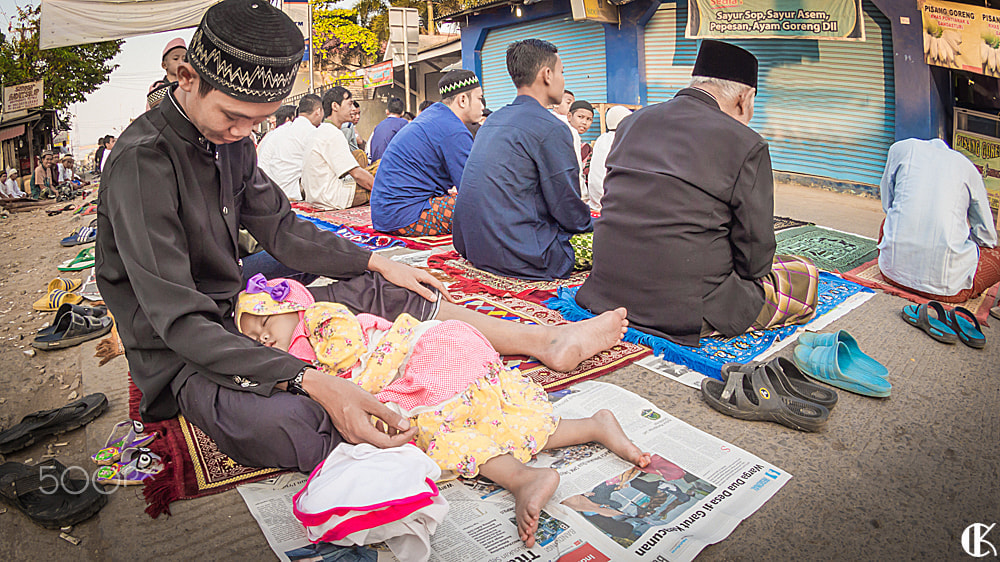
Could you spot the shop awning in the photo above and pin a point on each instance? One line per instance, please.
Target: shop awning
(75, 22)
(22, 117)
(11, 132)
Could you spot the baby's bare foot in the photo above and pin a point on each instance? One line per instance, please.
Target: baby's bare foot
(530, 495)
(613, 437)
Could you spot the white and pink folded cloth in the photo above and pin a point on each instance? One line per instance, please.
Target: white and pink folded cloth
(364, 495)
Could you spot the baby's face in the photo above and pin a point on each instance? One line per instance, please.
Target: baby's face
(272, 331)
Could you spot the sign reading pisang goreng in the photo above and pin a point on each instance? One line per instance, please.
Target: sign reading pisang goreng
(776, 19)
(962, 37)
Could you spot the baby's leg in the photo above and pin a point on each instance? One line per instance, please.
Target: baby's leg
(532, 488)
(602, 428)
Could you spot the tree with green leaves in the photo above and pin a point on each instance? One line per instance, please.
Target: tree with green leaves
(70, 73)
(374, 14)
(338, 38)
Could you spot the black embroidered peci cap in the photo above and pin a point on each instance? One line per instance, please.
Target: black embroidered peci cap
(726, 62)
(581, 104)
(247, 49)
(457, 81)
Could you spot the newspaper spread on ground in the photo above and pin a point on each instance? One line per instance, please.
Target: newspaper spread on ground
(694, 492)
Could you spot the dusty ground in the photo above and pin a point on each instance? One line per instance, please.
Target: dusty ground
(28, 260)
(894, 479)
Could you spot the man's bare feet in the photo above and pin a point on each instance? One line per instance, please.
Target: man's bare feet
(533, 488)
(569, 344)
(612, 436)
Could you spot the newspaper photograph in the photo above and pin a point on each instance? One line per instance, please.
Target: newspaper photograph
(694, 492)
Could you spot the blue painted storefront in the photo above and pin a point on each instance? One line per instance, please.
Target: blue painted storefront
(918, 105)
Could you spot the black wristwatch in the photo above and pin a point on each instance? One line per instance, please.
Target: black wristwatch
(295, 385)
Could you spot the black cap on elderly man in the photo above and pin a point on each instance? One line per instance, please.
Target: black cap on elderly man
(726, 61)
(248, 50)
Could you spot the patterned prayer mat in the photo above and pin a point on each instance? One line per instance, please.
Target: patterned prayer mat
(717, 351)
(361, 237)
(783, 223)
(828, 249)
(414, 242)
(869, 275)
(194, 465)
(526, 312)
(355, 216)
(472, 280)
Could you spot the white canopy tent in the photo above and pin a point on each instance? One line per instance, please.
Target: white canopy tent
(75, 22)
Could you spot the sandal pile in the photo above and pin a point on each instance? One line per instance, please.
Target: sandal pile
(73, 324)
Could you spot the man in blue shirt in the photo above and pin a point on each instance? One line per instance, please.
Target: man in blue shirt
(425, 161)
(519, 202)
(387, 129)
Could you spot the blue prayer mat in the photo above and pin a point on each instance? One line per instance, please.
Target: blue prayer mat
(364, 240)
(715, 352)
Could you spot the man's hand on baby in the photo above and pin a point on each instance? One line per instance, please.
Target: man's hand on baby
(402, 275)
(352, 408)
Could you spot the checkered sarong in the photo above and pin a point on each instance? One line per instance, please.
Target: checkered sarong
(583, 251)
(434, 221)
(791, 291)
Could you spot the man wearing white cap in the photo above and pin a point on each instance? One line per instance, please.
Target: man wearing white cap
(602, 146)
(9, 186)
(173, 55)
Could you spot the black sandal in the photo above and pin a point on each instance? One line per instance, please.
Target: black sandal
(48, 494)
(73, 329)
(751, 396)
(53, 422)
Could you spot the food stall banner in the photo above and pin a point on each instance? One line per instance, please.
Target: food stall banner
(775, 19)
(961, 37)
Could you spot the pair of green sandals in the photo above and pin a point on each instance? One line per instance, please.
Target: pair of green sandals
(86, 258)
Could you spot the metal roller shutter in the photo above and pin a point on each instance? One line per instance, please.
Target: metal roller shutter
(581, 47)
(827, 108)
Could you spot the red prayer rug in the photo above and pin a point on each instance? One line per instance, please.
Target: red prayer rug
(194, 465)
(355, 216)
(869, 275)
(469, 279)
(527, 312)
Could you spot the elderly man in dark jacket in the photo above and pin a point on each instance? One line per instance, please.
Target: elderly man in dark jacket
(686, 237)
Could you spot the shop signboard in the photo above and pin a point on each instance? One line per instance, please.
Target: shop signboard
(298, 11)
(961, 37)
(775, 19)
(601, 11)
(23, 96)
(378, 75)
(977, 136)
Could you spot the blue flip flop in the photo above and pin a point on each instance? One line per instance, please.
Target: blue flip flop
(966, 325)
(870, 364)
(936, 328)
(835, 366)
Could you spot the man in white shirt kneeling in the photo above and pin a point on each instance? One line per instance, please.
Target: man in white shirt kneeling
(331, 175)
